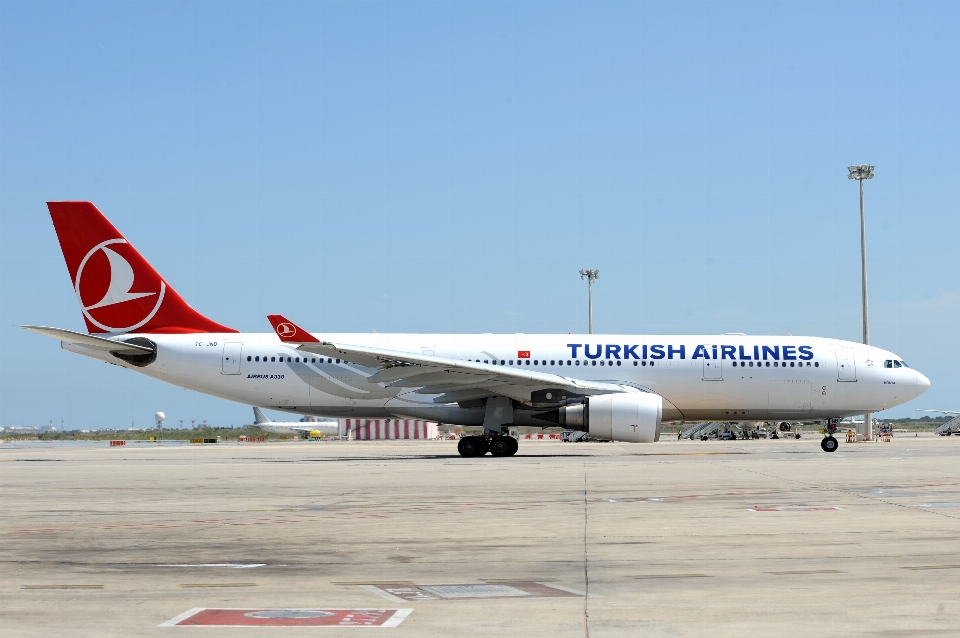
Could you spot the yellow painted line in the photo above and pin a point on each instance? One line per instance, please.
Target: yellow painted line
(808, 571)
(921, 567)
(63, 587)
(217, 585)
(672, 576)
(373, 582)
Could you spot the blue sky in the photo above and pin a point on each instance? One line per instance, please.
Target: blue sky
(449, 167)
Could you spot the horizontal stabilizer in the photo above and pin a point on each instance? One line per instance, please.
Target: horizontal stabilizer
(89, 341)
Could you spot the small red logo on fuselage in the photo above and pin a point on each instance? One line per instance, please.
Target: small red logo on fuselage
(523, 354)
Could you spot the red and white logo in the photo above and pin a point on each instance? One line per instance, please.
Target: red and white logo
(286, 330)
(523, 354)
(110, 281)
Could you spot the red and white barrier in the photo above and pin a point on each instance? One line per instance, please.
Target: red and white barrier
(542, 437)
(389, 429)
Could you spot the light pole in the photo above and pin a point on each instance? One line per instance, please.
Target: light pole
(860, 173)
(590, 275)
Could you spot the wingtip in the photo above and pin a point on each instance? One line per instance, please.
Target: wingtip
(289, 331)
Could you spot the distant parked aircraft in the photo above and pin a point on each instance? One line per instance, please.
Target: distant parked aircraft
(326, 427)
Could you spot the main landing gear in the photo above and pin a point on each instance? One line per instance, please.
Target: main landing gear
(497, 445)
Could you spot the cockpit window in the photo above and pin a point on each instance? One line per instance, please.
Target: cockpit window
(888, 363)
(904, 363)
(896, 364)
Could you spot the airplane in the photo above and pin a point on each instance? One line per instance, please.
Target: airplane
(326, 427)
(615, 387)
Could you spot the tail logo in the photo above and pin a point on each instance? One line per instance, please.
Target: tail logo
(118, 291)
(286, 330)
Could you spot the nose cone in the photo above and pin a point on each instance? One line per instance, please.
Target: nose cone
(923, 383)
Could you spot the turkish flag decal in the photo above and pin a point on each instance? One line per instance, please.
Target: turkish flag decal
(523, 354)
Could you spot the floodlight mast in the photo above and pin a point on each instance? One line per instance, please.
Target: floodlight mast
(590, 275)
(860, 173)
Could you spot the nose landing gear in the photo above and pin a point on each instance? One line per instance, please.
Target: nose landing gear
(829, 442)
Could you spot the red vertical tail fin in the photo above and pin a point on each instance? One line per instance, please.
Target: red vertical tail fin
(118, 290)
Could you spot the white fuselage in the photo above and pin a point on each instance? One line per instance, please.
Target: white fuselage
(712, 377)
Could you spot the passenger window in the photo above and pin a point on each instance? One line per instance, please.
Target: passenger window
(338, 360)
(594, 363)
(258, 358)
(651, 363)
(274, 359)
(634, 364)
(313, 360)
(578, 362)
(528, 361)
(644, 363)
(816, 364)
(791, 364)
(298, 360)
(249, 358)
(618, 363)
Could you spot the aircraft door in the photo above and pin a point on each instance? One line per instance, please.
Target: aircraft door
(846, 368)
(712, 368)
(231, 357)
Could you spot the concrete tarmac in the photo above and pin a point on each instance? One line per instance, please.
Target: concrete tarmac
(691, 538)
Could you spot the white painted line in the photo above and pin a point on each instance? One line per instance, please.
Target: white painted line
(397, 618)
(376, 590)
(227, 565)
(176, 619)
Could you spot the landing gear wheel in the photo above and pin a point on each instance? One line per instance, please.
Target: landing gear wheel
(471, 446)
(514, 445)
(500, 446)
(829, 444)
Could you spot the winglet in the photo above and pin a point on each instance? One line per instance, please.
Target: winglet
(290, 332)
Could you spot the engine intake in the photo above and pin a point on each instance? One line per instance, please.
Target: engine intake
(634, 417)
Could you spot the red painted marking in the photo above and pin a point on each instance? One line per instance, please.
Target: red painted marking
(291, 618)
(523, 354)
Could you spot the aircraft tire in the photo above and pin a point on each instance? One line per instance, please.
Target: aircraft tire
(500, 446)
(471, 446)
(514, 445)
(829, 444)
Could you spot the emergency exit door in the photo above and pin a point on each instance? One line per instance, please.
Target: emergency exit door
(712, 368)
(231, 357)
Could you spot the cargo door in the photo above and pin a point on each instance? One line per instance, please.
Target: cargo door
(712, 368)
(846, 368)
(790, 396)
(231, 357)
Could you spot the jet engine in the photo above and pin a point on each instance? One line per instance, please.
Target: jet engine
(633, 417)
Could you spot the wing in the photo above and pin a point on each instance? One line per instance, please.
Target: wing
(453, 380)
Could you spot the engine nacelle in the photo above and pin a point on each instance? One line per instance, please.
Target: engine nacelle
(633, 417)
